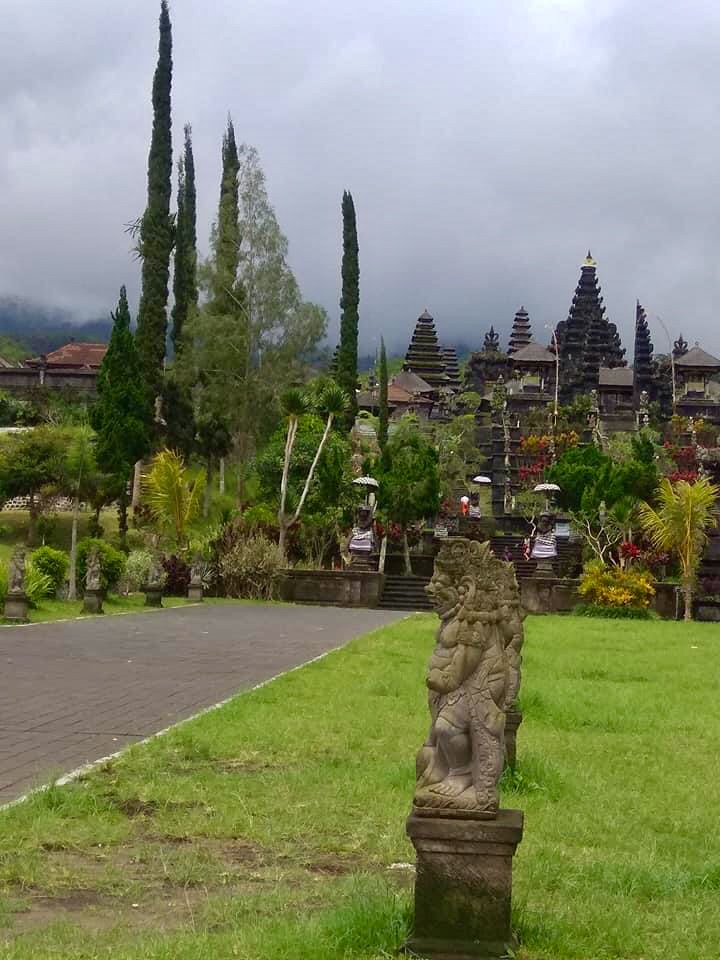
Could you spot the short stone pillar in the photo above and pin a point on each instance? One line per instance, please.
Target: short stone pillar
(463, 885)
(195, 592)
(92, 601)
(513, 719)
(16, 607)
(153, 595)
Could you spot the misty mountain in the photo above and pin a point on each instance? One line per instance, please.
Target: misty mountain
(41, 329)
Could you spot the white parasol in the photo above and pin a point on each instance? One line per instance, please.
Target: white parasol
(481, 479)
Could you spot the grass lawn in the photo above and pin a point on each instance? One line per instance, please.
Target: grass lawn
(267, 830)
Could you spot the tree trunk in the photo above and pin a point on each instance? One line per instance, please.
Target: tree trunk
(222, 475)
(687, 593)
(406, 554)
(72, 585)
(32, 522)
(123, 519)
(137, 474)
(282, 533)
(208, 489)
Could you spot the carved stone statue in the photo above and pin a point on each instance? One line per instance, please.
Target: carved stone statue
(468, 681)
(92, 572)
(16, 572)
(544, 548)
(196, 572)
(362, 539)
(93, 596)
(154, 584)
(514, 636)
(195, 587)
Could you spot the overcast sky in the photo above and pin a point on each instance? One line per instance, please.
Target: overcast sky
(487, 144)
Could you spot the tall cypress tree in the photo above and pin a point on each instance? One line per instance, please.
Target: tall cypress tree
(156, 230)
(120, 416)
(185, 278)
(383, 411)
(226, 232)
(349, 304)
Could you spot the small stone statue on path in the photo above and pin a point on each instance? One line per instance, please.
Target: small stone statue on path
(16, 572)
(469, 682)
(93, 572)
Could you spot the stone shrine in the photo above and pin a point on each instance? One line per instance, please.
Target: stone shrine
(463, 841)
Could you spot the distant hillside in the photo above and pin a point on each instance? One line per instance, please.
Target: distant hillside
(36, 329)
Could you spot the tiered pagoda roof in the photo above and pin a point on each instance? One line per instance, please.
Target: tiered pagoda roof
(452, 367)
(586, 340)
(424, 356)
(642, 354)
(520, 335)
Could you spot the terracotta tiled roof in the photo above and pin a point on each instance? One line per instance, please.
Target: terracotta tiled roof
(73, 355)
(411, 382)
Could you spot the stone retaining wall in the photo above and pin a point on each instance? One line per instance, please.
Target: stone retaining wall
(338, 588)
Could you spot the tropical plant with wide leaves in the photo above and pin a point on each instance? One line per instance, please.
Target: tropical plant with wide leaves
(678, 524)
(174, 498)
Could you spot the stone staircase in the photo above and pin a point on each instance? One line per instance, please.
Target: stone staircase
(405, 593)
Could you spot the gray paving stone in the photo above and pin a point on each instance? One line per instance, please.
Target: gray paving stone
(75, 691)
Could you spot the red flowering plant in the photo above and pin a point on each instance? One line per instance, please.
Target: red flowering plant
(630, 551)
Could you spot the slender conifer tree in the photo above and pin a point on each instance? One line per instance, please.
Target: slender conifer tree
(156, 229)
(120, 416)
(349, 304)
(185, 277)
(226, 233)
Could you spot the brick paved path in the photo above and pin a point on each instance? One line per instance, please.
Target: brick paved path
(76, 691)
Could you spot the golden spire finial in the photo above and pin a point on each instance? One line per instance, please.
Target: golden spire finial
(588, 261)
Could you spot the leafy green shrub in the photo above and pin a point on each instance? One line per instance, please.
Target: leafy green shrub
(112, 562)
(38, 585)
(250, 567)
(613, 613)
(54, 563)
(614, 587)
(137, 568)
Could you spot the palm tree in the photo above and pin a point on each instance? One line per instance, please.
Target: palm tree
(332, 402)
(678, 525)
(174, 500)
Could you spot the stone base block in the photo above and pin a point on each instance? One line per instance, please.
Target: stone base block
(195, 593)
(463, 885)
(153, 597)
(93, 601)
(16, 608)
(513, 719)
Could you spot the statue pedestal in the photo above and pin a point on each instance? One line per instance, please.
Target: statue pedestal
(544, 567)
(16, 608)
(93, 601)
(153, 596)
(463, 885)
(513, 719)
(195, 593)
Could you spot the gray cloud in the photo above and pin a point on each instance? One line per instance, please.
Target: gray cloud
(487, 147)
